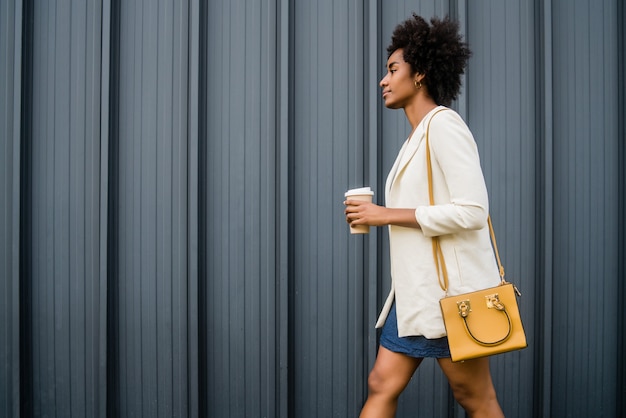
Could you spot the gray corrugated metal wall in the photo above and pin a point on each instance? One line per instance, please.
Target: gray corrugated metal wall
(149, 195)
(329, 142)
(171, 232)
(243, 212)
(585, 177)
(60, 210)
(10, 179)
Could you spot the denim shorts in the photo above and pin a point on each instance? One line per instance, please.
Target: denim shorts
(417, 346)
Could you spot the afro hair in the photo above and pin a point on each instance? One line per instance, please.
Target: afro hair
(437, 51)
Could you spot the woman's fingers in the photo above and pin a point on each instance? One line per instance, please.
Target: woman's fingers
(351, 211)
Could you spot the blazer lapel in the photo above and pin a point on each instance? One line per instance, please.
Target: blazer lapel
(406, 154)
(410, 148)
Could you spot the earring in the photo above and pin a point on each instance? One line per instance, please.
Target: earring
(417, 84)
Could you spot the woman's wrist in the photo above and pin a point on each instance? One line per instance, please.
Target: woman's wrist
(402, 217)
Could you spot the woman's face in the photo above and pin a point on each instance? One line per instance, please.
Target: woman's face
(399, 83)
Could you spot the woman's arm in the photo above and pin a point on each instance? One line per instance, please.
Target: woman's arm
(455, 157)
(366, 213)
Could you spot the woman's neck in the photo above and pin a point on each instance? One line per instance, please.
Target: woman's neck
(419, 109)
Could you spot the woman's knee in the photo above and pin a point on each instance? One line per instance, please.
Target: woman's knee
(473, 395)
(470, 381)
(375, 382)
(379, 383)
(391, 373)
(463, 390)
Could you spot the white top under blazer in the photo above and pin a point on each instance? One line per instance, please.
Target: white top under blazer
(459, 218)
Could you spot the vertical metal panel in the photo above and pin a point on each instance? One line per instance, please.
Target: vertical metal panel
(101, 345)
(63, 218)
(240, 209)
(586, 208)
(329, 155)
(621, 364)
(193, 199)
(501, 114)
(545, 213)
(372, 127)
(151, 218)
(284, 212)
(7, 58)
(10, 177)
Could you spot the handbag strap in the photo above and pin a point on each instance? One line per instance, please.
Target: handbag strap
(440, 264)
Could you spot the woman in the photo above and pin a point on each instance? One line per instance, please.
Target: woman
(424, 68)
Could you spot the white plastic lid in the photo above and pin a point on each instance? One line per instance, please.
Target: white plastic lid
(360, 191)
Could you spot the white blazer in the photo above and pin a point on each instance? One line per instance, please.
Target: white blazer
(459, 218)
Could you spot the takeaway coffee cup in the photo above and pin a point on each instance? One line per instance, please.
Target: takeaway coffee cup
(365, 194)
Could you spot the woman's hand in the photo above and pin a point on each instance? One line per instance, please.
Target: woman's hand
(366, 213)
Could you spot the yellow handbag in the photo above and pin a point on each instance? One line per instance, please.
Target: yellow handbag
(480, 323)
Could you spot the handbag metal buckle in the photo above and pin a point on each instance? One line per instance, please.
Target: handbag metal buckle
(493, 301)
(464, 307)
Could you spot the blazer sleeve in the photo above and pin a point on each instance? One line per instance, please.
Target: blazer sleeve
(457, 164)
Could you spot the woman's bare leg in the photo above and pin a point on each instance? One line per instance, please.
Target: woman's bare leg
(472, 387)
(388, 378)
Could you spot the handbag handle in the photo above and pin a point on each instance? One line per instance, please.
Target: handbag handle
(465, 309)
(440, 263)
